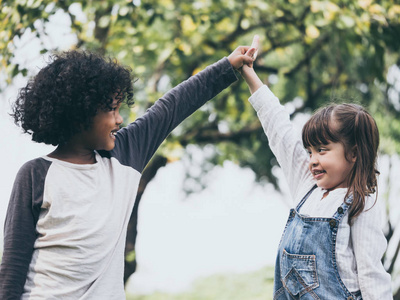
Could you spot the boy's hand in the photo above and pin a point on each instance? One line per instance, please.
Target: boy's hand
(244, 55)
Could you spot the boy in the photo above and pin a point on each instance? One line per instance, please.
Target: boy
(67, 218)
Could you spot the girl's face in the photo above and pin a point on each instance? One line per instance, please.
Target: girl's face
(329, 166)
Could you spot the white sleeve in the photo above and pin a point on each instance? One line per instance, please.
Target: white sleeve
(286, 146)
(369, 245)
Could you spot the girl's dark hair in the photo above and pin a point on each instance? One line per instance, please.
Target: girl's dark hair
(353, 127)
(64, 96)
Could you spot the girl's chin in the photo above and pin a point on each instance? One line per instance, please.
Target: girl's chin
(323, 186)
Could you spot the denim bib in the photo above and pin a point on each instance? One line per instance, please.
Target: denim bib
(306, 262)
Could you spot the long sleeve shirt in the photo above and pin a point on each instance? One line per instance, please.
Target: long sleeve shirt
(359, 247)
(66, 223)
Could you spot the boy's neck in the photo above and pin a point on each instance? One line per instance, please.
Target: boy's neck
(73, 155)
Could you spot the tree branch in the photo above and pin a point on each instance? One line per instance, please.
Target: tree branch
(213, 136)
(317, 46)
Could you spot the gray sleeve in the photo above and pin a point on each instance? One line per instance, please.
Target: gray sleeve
(20, 227)
(136, 143)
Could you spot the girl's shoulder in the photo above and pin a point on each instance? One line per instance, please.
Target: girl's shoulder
(373, 213)
(371, 202)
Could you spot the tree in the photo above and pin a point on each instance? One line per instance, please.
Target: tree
(312, 52)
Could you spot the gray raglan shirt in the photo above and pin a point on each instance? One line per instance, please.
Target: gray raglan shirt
(65, 229)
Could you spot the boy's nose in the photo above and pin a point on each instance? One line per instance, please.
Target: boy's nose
(119, 119)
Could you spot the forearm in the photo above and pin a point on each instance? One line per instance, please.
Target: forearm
(251, 78)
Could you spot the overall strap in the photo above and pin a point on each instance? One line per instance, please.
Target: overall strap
(305, 198)
(343, 208)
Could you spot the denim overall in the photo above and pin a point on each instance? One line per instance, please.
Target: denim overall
(306, 263)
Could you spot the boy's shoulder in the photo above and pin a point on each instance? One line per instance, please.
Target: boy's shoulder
(34, 167)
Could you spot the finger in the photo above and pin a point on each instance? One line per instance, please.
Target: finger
(243, 49)
(248, 60)
(256, 42)
(251, 52)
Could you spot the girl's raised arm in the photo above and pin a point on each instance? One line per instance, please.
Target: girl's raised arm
(283, 141)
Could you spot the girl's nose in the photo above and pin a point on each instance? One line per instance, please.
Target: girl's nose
(313, 160)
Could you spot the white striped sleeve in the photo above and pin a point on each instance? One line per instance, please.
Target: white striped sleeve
(286, 146)
(369, 245)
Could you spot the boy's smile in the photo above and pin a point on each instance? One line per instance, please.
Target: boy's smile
(329, 166)
(106, 123)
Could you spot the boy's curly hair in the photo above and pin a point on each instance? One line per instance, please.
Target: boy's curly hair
(64, 96)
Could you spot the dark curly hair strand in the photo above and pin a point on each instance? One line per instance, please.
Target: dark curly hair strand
(64, 96)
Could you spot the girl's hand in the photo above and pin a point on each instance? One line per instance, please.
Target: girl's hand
(247, 71)
(254, 45)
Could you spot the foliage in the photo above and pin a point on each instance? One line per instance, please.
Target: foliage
(255, 286)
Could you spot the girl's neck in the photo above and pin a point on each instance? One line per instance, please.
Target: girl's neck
(325, 194)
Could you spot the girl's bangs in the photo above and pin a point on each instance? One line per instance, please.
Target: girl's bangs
(318, 130)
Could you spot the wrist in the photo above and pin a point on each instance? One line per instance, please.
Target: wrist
(251, 78)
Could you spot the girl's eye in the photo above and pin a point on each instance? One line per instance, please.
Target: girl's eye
(321, 149)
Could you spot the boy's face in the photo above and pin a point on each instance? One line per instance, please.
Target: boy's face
(329, 166)
(106, 123)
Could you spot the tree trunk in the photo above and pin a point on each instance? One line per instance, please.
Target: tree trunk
(148, 174)
(396, 296)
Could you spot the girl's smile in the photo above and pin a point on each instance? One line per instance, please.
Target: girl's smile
(329, 165)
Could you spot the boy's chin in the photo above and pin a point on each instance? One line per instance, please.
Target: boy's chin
(108, 147)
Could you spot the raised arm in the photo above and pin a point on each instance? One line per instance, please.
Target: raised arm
(284, 143)
(248, 73)
(136, 144)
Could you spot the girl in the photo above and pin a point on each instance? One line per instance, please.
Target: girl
(64, 234)
(332, 244)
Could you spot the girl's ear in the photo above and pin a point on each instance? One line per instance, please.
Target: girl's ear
(354, 154)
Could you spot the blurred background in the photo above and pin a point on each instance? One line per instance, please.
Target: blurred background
(211, 205)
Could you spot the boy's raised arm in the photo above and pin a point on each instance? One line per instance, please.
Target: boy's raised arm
(138, 141)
